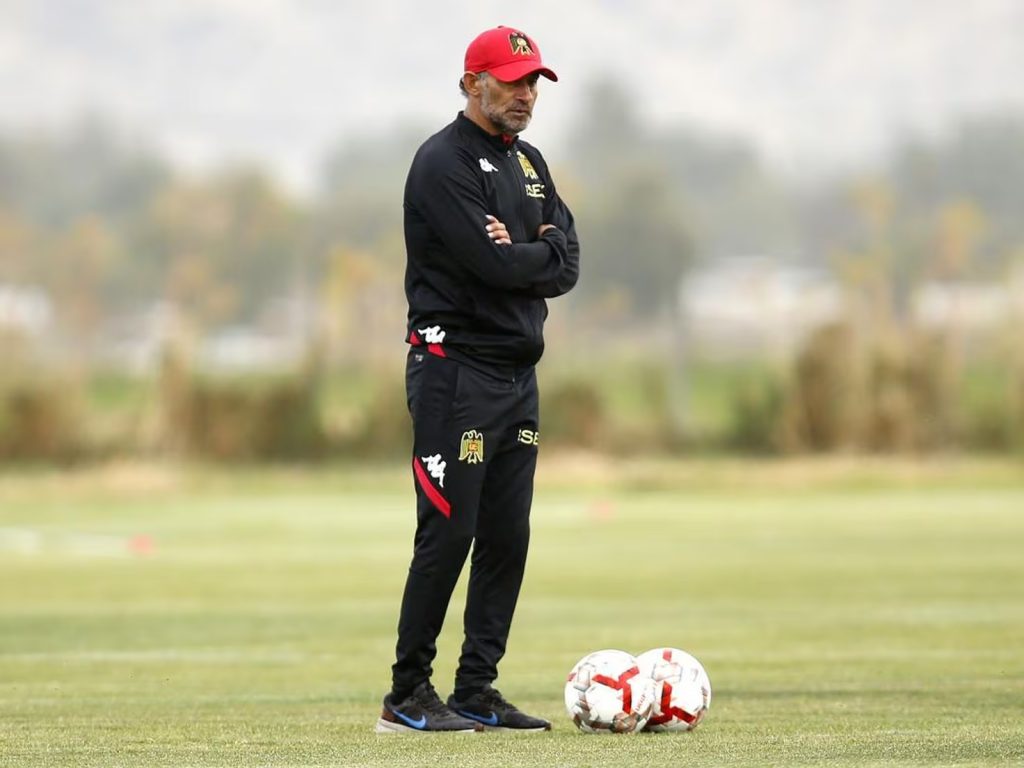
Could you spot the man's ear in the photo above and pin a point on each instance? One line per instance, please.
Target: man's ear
(471, 83)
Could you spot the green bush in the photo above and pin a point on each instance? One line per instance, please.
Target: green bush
(757, 409)
(385, 430)
(992, 418)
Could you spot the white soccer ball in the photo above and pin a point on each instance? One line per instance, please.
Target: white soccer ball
(606, 693)
(682, 689)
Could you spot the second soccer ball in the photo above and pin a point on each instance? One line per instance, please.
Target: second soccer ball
(682, 689)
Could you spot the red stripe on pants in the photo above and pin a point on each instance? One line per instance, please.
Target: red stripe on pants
(433, 494)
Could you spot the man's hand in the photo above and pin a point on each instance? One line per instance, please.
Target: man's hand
(497, 232)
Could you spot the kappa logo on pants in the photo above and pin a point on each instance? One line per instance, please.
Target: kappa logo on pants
(436, 467)
(433, 335)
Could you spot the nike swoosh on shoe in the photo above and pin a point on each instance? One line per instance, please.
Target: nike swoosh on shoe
(417, 724)
(492, 720)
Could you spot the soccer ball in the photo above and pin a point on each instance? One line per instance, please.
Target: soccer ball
(606, 693)
(682, 690)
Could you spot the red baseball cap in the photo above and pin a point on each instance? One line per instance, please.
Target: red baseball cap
(505, 53)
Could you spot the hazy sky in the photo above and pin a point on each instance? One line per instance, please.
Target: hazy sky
(815, 83)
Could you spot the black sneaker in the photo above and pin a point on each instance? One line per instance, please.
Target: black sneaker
(490, 709)
(422, 712)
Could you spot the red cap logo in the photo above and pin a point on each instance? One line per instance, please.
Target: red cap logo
(520, 45)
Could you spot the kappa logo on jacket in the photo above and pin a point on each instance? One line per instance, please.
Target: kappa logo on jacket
(487, 166)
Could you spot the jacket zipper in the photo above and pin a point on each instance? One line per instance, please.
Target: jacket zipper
(535, 327)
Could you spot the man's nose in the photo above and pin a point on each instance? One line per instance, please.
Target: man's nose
(523, 91)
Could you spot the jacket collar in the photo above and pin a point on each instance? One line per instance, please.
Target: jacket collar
(471, 129)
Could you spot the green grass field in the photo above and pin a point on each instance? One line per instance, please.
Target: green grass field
(154, 616)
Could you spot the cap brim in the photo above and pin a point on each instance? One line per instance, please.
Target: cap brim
(508, 73)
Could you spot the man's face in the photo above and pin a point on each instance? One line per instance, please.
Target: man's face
(509, 106)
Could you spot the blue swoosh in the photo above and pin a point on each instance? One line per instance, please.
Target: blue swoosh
(417, 724)
(492, 720)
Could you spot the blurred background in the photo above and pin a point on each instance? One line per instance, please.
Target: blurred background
(802, 224)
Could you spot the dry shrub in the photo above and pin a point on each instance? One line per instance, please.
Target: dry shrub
(912, 393)
(573, 414)
(892, 390)
(824, 406)
(241, 419)
(39, 421)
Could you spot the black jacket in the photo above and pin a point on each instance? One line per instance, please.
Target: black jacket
(468, 297)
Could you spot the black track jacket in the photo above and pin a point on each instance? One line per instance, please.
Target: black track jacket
(469, 298)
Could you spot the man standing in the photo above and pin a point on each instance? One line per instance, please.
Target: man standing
(488, 240)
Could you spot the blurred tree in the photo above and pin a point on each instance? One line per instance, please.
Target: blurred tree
(981, 164)
(632, 220)
(636, 246)
(876, 281)
(945, 210)
(18, 246)
(365, 304)
(83, 259)
(219, 249)
(656, 200)
(961, 227)
(90, 170)
(360, 205)
(75, 194)
(736, 205)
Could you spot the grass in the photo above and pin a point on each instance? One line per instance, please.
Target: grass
(847, 614)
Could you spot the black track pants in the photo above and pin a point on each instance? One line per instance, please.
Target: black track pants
(474, 455)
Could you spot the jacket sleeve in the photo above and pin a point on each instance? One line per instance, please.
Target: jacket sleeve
(563, 239)
(449, 197)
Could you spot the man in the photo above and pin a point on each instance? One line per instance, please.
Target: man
(488, 240)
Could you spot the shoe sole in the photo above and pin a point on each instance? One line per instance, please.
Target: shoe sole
(386, 726)
(488, 727)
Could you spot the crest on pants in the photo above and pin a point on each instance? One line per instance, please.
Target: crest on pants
(472, 450)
